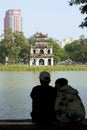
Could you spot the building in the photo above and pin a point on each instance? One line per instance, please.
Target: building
(67, 40)
(13, 20)
(41, 54)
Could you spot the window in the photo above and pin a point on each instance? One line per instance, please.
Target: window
(41, 51)
(34, 51)
(41, 62)
(49, 61)
(34, 62)
(48, 51)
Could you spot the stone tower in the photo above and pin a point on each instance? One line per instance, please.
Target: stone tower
(41, 54)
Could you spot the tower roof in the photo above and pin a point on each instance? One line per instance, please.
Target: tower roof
(40, 35)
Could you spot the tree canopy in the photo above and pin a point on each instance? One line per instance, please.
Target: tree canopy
(15, 47)
(77, 50)
(83, 9)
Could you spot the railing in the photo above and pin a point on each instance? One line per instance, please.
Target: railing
(29, 125)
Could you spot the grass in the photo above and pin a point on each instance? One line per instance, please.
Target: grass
(43, 68)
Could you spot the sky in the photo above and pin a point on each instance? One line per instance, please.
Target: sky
(53, 17)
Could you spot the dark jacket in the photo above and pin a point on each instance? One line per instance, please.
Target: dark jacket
(43, 99)
(68, 105)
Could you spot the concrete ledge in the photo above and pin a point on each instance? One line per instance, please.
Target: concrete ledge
(29, 125)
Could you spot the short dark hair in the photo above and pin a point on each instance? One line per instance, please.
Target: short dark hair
(62, 81)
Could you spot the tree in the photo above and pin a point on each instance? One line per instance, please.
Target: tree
(14, 46)
(3, 51)
(2, 54)
(24, 54)
(14, 54)
(19, 39)
(71, 50)
(31, 40)
(77, 50)
(83, 9)
(57, 50)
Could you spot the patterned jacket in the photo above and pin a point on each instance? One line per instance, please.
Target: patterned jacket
(68, 105)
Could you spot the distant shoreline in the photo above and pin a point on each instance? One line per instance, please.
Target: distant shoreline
(43, 68)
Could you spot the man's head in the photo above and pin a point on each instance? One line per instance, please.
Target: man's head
(61, 82)
(44, 77)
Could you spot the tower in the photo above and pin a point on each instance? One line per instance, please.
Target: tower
(41, 54)
(13, 20)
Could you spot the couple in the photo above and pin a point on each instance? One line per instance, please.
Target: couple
(60, 103)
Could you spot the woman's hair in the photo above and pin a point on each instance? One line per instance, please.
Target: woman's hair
(62, 81)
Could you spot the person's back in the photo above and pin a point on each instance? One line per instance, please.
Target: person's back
(43, 98)
(68, 104)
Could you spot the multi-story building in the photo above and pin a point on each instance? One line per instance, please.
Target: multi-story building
(13, 20)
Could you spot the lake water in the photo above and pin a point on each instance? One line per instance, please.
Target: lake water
(15, 88)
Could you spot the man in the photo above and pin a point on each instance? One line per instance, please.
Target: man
(43, 99)
(68, 104)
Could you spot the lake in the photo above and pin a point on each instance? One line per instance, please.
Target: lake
(15, 88)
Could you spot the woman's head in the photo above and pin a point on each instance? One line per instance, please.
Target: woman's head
(61, 82)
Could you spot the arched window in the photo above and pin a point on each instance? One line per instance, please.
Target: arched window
(34, 51)
(49, 61)
(41, 62)
(34, 62)
(48, 51)
(41, 51)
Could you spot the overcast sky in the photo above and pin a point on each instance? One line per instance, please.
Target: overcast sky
(53, 17)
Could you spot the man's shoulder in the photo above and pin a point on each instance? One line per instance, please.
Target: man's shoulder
(51, 87)
(53, 90)
(41, 87)
(36, 87)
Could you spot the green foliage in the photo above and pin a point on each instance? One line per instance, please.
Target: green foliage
(20, 39)
(77, 50)
(57, 51)
(31, 40)
(24, 53)
(83, 9)
(14, 54)
(14, 46)
(3, 51)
